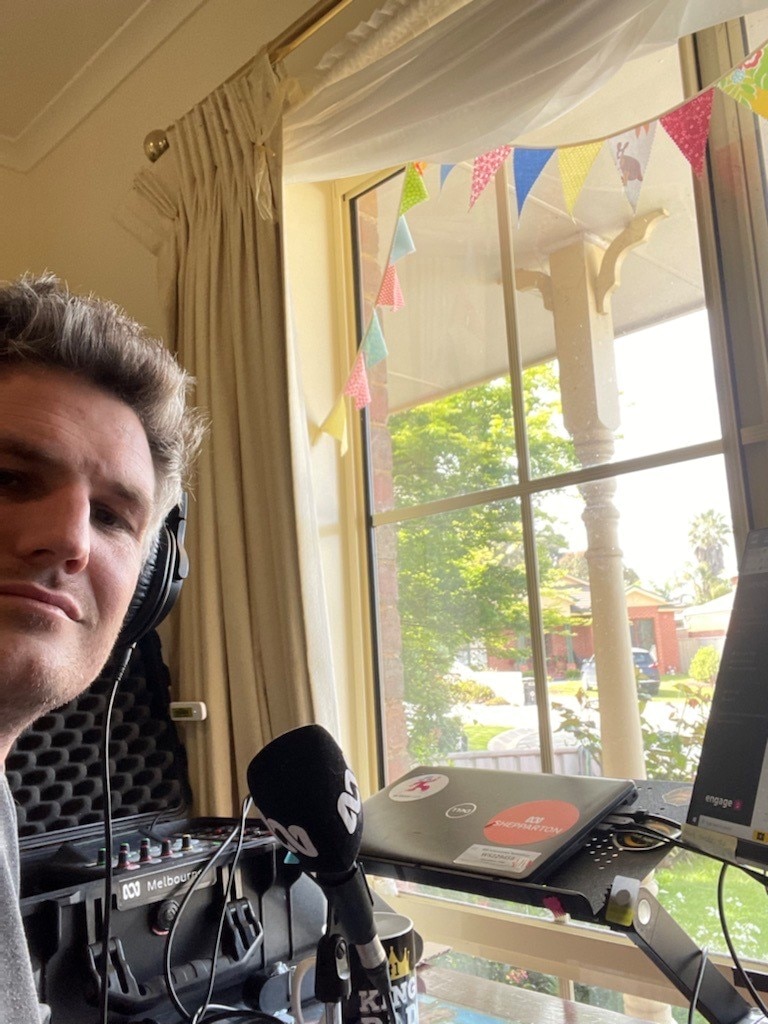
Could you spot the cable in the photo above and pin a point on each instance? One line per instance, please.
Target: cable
(210, 863)
(697, 983)
(203, 1009)
(106, 784)
(681, 844)
(727, 936)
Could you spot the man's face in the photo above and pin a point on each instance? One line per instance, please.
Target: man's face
(76, 496)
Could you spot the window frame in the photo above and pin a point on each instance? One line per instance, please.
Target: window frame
(732, 229)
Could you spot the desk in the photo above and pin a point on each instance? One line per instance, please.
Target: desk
(455, 998)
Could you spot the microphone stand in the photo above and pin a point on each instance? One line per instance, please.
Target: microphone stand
(332, 976)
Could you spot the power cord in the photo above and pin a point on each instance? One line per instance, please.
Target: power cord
(729, 943)
(697, 984)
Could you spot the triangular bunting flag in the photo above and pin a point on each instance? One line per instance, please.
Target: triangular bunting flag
(575, 163)
(414, 189)
(688, 127)
(402, 244)
(528, 165)
(445, 170)
(373, 346)
(483, 170)
(630, 151)
(390, 293)
(335, 423)
(747, 83)
(357, 383)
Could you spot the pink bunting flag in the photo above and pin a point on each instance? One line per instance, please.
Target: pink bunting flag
(688, 127)
(483, 170)
(357, 384)
(390, 293)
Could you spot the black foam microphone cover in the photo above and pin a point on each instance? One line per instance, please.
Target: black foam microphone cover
(309, 798)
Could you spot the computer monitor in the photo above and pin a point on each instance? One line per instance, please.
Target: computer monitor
(728, 813)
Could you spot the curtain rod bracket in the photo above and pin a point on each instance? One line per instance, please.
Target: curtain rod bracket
(155, 144)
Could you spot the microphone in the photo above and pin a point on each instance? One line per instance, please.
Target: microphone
(309, 799)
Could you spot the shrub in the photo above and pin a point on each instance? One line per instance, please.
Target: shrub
(704, 665)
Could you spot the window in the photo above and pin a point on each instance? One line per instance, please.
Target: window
(556, 476)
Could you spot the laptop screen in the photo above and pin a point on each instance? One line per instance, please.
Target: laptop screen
(728, 813)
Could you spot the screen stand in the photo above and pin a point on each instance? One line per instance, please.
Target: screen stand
(634, 910)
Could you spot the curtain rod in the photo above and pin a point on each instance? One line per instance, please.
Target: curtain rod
(156, 142)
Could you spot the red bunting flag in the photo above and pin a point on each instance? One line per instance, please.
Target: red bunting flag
(390, 293)
(484, 168)
(357, 383)
(688, 127)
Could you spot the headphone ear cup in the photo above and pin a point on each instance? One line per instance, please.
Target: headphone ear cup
(160, 579)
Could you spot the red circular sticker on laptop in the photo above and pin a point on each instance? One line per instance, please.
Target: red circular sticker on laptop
(531, 823)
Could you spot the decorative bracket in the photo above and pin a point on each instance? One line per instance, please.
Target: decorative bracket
(535, 280)
(634, 234)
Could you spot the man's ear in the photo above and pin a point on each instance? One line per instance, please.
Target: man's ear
(159, 583)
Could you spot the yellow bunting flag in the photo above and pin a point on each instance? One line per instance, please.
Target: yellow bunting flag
(414, 189)
(335, 424)
(575, 163)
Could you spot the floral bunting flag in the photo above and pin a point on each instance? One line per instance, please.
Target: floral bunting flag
(528, 165)
(402, 244)
(357, 383)
(390, 293)
(335, 424)
(445, 170)
(688, 127)
(748, 83)
(630, 151)
(575, 163)
(483, 170)
(414, 189)
(373, 346)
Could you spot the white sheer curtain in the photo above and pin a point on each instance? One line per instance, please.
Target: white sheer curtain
(445, 81)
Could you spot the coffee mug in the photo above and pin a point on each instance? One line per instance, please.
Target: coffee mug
(365, 1005)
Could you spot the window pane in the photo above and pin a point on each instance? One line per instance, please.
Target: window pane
(450, 334)
(674, 555)
(452, 616)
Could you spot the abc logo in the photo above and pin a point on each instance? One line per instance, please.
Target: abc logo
(131, 890)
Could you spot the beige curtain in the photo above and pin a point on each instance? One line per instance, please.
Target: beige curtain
(242, 644)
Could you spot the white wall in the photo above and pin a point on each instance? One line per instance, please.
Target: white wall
(60, 216)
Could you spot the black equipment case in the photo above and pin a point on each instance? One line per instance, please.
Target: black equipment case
(275, 914)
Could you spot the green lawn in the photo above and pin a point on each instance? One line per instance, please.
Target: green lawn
(688, 891)
(479, 735)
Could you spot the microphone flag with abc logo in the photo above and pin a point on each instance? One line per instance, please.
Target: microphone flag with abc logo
(308, 797)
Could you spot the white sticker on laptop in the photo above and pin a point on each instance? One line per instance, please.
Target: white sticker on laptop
(418, 787)
(511, 862)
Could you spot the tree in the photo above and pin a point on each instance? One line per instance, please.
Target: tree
(708, 534)
(461, 573)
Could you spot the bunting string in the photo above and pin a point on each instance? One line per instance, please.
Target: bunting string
(687, 125)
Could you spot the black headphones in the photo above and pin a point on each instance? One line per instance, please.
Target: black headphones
(160, 581)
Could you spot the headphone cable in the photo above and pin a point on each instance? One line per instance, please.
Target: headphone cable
(106, 920)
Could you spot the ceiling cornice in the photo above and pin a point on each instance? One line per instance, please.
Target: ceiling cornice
(147, 29)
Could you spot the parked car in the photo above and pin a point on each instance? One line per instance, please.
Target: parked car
(646, 673)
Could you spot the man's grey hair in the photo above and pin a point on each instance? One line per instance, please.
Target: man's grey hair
(43, 324)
